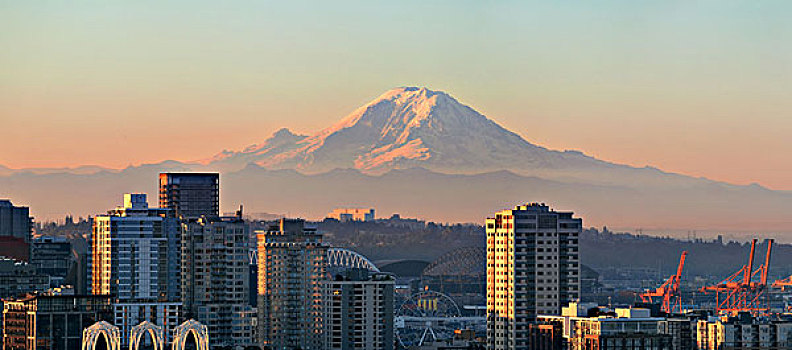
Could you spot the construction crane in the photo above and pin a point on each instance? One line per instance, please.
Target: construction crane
(739, 292)
(668, 292)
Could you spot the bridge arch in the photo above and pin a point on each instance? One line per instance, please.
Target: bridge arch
(345, 258)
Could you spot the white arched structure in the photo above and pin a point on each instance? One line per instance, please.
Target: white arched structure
(101, 331)
(340, 257)
(138, 333)
(190, 328)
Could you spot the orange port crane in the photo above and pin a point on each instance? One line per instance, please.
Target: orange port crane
(668, 292)
(738, 292)
(786, 282)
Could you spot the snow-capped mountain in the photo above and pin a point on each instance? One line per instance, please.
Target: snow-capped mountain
(422, 153)
(403, 128)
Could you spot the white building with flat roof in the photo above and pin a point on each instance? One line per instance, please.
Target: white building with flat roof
(533, 268)
(135, 258)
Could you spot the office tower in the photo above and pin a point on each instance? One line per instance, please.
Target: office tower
(359, 311)
(135, 258)
(292, 269)
(532, 268)
(352, 214)
(216, 279)
(190, 195)
(53, 257)
(51, 322)
(15, 221)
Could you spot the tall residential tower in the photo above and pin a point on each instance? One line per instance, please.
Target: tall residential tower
(135, 258)
(292, 268)
(532, 268)
(215, 279)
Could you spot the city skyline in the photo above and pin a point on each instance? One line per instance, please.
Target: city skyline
(678, 86)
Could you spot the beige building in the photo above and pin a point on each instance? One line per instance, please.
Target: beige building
(532, 268)
(352, 214)
(619, 329)
(743, 332)
(291, 275)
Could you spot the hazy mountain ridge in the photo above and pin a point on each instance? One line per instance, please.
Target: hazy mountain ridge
(423, 154)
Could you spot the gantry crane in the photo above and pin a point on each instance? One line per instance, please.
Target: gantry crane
(738, 292)
(786, 282)
(668, 292)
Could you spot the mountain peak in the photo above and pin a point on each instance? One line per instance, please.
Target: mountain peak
(404, 127)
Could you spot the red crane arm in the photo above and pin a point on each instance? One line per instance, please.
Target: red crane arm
(767, 263)
(749, 270)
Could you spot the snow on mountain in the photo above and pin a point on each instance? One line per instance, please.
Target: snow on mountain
(403, 128)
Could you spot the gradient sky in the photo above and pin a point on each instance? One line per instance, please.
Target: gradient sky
(697, 87)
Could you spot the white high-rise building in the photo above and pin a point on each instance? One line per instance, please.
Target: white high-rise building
(135, 259)
(533, 268)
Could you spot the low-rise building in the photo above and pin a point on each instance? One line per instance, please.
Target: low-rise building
(53, 257)
(352, 214)
(682, 331)
(744, 332)
(50, 322)
(17, 277)
(600, 329)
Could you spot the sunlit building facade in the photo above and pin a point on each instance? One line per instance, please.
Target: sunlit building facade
(352, 214)
(533, 268)
(135, 257)
(291, 276)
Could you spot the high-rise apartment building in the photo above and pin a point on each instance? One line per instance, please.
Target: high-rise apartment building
(15, 221)
(359, 311)
(215, 279)
(190, 195)
(532, 268)
(292, 272)
(134, 257)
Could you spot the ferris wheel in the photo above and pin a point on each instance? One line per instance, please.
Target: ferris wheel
(426, 317)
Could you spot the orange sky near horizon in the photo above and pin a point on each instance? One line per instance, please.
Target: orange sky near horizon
(695, 88)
